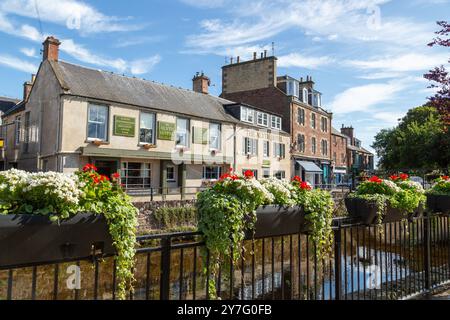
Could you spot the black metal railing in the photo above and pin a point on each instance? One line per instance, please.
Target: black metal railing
(393, 261)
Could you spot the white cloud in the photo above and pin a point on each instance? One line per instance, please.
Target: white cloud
(17, 64)
(402, 63)
(143, 66)
(73, 14)
(389, 118)
(363, 98)
(206, 3)
(302, 61)
(29, 52)
(344, 20)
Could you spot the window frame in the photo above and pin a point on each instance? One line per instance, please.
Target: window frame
(301, 115)
(249, 113)
(145, 167)
(218, 172)
(219, 137)
(173, 179)
(266, 148)
(303, 144)
(107, 124)
(17, 129)
(313, 120)
(313, 145)
(278, 123)
(153, 142)
(265, 116)
(188, 131)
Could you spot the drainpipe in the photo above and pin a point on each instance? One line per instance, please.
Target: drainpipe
(234, 146)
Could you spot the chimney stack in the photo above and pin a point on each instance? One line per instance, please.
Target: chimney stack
(265, 53)
(238, 59)
(27, 87)
(200, 83)
(254, 55)
(51, 49)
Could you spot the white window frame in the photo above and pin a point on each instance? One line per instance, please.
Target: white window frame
(217, 173)
(266, 173)
(173, 179)
(264, 117)
(89, 121)
(282, 174)
(185, 132)
(218, 139)
(266, 148)
(279, 150)
(313, 120)
(145, 172)
(250, 146)
(153, 128)
(17, 129)
(247, 115)
(305, 95)
(276, 122)
(313, 145)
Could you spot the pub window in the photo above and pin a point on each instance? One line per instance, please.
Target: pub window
(247, 114)
(182, 132)
(136, 175)
(266, 151)
(170, 174)
(212, 172)
(147, 128)
(214, 136)
(97, 122)
(279, 150)
(262, 119)
(250, 146)
(276, 122)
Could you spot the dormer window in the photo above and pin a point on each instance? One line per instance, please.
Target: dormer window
(292, 88)
(247, 115)
(262, 119)
(305, 95)
(317, 98)
(276, 123)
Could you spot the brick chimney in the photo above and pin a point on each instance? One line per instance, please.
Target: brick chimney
(27, 87)
(51, 49)
(348, 131)
(200, 83)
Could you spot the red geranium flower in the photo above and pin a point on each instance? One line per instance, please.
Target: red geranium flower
(104, 178)
(375, 179)
(249, 174)
(305, 186)
(394, 177)
(89, 167)
(445, 177)
(404, 176)
(297, 178)
(116, 175)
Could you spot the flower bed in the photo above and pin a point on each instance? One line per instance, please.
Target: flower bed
(239, 207)
(438, 198)
(378, 200)
(58, 199)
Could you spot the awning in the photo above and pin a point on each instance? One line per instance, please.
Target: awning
(309, 166)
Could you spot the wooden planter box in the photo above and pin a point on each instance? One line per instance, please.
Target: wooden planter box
(274, 220)
(32, 239)
(438, 203)
(366, 211)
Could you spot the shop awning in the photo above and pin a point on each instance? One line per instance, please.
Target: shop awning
(309, 166)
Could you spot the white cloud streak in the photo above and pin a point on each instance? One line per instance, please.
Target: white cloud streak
(302, 61)
(17, 64)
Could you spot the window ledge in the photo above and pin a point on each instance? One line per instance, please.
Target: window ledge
(97, 142)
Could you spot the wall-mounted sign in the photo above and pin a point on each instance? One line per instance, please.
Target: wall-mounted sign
(2, 143)
(200, 135)
(124, 126)
(165, 130)
(266, 163)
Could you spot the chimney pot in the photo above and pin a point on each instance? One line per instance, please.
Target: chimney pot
(51, 49)
(238, 59)
(262, 55)
(265, 53)
(254, 55)
(200, 83)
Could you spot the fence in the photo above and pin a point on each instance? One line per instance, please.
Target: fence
(395, 261)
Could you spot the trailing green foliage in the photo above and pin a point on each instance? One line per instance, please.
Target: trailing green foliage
(60, 196)
(441, 186)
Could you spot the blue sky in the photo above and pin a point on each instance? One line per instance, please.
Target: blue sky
(367, 57)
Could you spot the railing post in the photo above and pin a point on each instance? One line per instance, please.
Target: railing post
(151, 194)
(337, 263)
(427, 249)
(165, 268)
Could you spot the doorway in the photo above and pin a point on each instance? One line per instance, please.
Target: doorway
(106, 167)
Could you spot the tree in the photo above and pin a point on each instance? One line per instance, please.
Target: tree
(440, 77)
(418, 142)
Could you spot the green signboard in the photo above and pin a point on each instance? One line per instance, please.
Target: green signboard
(165, 130)
(124, 126)
(266, 163)
(200, 135)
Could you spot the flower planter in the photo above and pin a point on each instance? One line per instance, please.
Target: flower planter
(274, 220)
(438, 203)
(366, 211)
(31, 239)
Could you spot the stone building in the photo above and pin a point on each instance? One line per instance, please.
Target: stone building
(160, 138)
(359, 159)
(339, 156)
(297, 101)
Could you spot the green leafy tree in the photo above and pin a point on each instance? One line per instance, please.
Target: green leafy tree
(418, 142)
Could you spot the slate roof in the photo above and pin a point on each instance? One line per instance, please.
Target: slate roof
(107, 86)
(18, 107)
(7, 103)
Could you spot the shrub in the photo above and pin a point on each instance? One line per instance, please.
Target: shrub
(441, 186)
